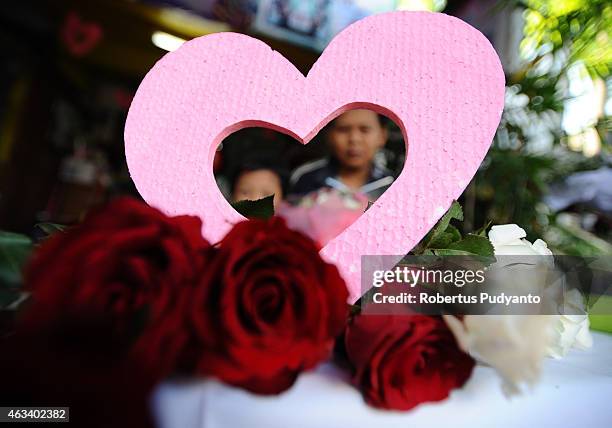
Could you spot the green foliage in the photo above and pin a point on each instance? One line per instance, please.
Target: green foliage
(473, 244)
(15, 249)
(444, 239)
(50, 228)
(511, 186)
(557, 35)
(439, 234)
(261, 208)
(574, 241)
(583, 27)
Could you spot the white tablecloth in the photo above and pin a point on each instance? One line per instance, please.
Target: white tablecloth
(574, 391)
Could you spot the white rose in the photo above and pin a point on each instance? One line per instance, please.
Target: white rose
(516, 345)
(510, 272)
(509, 240)
(571, 331)
(513, 345)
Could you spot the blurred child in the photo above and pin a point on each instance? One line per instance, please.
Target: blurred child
(354, 138)
(257, 180)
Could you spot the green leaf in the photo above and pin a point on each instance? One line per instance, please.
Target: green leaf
(483, 230)
(15, 249)
(261, 208)
(454, 212)
(450, 235)
(11, 299)
(474, 244)
(440, 236)
(7, 297)
(451, 252)
(51, 228)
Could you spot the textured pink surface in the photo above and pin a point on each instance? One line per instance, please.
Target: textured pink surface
(435, 75)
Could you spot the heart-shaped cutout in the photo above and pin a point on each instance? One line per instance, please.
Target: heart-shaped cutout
(437, 77)
(320, 188)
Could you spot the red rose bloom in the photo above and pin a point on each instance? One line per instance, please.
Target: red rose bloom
(268, 307)
(127, 261)
(402, 361)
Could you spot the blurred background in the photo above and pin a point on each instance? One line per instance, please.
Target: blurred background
(69, 69)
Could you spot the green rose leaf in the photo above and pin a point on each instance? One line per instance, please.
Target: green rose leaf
(451, 252)
(446, 238)
(474, 244)
(483, 230)
(51, 228)
(15, 249)
(11, 299)
(454, 212)
(261, 208)
(443, 233)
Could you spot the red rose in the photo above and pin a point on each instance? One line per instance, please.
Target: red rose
(127, 261)
(268, 307)
(402, 361)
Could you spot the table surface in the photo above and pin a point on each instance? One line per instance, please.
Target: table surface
(574, 391)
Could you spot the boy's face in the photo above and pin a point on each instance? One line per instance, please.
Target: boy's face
(258, 184)
(355, 137)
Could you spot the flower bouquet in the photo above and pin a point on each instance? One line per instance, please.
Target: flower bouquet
(134, 292)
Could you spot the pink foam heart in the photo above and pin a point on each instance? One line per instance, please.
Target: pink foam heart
(436, 76)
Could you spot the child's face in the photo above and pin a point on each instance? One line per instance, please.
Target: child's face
(258, 184)
(355, 137)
